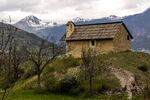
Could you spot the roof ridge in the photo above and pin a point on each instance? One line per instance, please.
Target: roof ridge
(99, 23)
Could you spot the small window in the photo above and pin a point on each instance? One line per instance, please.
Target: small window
(128, 37)
(92, 43)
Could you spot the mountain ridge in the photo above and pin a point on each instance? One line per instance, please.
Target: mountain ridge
(33, 24)
(22, 37)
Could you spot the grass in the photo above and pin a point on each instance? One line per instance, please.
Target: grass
(61, 65)
(33, 95)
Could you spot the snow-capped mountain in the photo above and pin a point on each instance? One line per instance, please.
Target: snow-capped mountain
(33, 24)
(78, 19)
(114, 17)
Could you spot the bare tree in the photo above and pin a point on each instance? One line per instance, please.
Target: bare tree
(41, 56)
(11, 72)
(9, 58)
(89, 66)
(7, 33)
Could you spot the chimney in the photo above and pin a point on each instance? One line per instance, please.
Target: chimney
(70, 28)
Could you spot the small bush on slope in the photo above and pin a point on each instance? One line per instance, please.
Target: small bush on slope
(143, 68)
(68, 85)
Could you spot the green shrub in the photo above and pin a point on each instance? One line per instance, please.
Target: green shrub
(143, 68)
(67, 85)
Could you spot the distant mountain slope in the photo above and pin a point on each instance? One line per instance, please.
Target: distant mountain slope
(22, 37)
(55, 33)
(138, 25)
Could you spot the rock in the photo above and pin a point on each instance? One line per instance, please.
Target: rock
(127, 80)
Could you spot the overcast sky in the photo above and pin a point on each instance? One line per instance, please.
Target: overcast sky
(64, 10)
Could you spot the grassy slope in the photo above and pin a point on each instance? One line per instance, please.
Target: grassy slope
(127, 60)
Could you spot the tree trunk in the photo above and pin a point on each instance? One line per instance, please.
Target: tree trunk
(39, 79)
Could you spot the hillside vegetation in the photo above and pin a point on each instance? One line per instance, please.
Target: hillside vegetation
(64, 80)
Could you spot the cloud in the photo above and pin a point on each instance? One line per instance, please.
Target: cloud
(129, 4)
(38, 5)
(11, 5)
(69, 9)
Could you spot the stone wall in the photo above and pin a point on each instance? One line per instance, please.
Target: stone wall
(121, 42)
(75, 48)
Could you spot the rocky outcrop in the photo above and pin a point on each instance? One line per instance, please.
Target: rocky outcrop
(127, 80)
